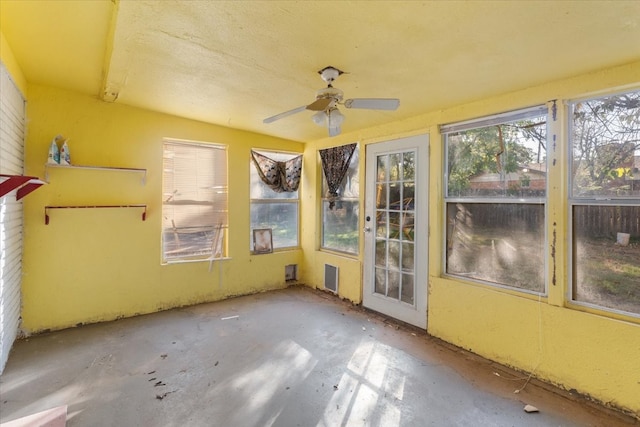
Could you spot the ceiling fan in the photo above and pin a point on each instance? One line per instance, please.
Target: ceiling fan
(327, 101)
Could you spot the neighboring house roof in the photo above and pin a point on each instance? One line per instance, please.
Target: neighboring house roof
(533, 171)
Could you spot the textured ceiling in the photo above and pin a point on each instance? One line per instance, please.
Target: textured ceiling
(235, 63)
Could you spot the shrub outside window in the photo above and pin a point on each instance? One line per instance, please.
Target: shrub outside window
(605, 202)
(340, 216)
(194, 201)
(496, 181)
(270, 209)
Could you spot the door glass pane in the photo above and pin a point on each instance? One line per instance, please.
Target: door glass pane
(381, 224)
(381, 253)
(393, 290)
(408, 166)
(381, 196)
(407, 227)
(381, 173)
(408, 193)
(407, 256)
(393, 260)
(394, 225)
(394, 196)
(407, 289)
(395, 167)
(381, 281)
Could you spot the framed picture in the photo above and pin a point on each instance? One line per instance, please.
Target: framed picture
(262, 241)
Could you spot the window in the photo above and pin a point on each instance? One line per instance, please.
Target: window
(13, 126)
(496, 180)
(194, 201)
(340, 212)
(276, 209)
(605, 201)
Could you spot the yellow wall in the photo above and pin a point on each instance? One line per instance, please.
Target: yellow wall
(596, 353)
(92, 265)
(6, 55)
(593, 354)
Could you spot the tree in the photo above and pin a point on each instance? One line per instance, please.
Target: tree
(606, 142)
(493, 149)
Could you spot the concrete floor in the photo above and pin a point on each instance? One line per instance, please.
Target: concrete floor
(295, 357)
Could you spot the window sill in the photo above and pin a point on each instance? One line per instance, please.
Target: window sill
(525, 293)
(609, 313)
(342, 254)
(190, 261)
(279, 250)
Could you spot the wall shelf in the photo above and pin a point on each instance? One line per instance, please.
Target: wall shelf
(24, 184)
(102, 168)
(47, 208)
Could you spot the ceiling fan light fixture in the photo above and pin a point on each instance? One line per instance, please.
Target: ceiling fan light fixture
(334, 121)
(319, 118)
(334, 118)
(334, 131)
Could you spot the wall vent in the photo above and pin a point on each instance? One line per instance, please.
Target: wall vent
(331, 278)
(290, 272)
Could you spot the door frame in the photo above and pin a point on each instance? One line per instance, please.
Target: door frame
(416, 315)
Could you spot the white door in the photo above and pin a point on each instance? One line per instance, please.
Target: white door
(395, 229)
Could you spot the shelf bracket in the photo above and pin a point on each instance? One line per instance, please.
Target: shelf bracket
(24, 184)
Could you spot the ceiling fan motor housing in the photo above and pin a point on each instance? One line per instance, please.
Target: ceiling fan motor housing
(332, 93)
(329, 74)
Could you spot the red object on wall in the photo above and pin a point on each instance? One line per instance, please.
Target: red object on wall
(24, 184)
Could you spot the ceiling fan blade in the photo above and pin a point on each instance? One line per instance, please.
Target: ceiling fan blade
(373, 103)
(285, 114)
(319, 104)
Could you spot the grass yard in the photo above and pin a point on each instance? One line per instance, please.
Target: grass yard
(608, 274)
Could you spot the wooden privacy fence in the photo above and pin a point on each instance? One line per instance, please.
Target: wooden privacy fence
(493, 215)
(588, 220)
(606, 221)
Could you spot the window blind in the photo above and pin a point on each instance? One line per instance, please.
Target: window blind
(12, 132)
(194, 196)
